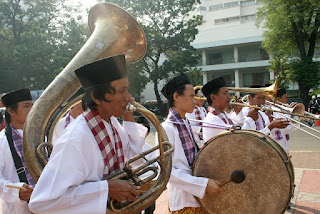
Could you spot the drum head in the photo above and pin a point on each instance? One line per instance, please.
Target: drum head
(269, 174)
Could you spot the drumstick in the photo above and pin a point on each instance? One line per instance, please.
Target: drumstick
(237, 177)
(16, 187)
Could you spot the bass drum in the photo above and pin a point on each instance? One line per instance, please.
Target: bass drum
(269, 182)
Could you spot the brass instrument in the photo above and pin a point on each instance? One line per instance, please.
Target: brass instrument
(270, 91)
(114, 32)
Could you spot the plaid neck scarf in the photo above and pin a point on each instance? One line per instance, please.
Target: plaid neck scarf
(188, 143)
(67, 119)
(198, 117)
(258, 125)
(219, 114)
(18, 142)
(113, 157)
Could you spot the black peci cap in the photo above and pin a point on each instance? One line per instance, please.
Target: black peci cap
(102, 71)
(213, 85)
(14, 97)
(173, 84)
(281, 91)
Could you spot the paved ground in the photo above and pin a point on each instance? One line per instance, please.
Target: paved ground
(305, 152)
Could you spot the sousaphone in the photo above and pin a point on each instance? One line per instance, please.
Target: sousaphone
(114, 32)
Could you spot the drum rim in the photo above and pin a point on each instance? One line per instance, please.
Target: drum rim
(258, 135)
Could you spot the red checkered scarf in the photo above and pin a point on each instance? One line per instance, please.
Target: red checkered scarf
(198, 117)
(113, 157)
(219, 114)
(188, 143)
(258, 127)
(67, 119)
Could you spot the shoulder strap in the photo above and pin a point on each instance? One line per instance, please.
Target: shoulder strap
(16, 159)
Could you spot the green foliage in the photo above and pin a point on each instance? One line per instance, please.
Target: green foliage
(169, 30)
(195, 76)
(279, 67)
(292, 28)
(304, 71)
(37, 39)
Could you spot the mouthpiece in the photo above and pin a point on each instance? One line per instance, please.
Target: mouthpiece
(130, 107)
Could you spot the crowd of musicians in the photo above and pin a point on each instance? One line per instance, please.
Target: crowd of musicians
(90, 143)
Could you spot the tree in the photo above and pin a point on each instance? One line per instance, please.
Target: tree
(169, 30)
(293, 28)
(37, 40)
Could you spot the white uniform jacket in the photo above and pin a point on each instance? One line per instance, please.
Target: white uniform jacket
(195, 128)
(58, 130)
(11, 202)
(283, 132)
(182, 186)
(72, 181)
(209, 133)
(249, 123)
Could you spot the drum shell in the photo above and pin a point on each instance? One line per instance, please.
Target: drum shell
(269, 182)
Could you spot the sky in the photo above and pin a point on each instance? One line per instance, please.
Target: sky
(86, 4)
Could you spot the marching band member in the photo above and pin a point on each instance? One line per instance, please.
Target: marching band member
(199, 113)
(13, 169)
(218, 99)
(258, 120)
(92, 147)
(182, 186)
(70, 116)
(282, 135)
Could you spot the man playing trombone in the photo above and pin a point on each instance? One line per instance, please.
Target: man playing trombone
(256, 119)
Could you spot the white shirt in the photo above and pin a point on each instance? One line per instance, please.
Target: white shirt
(72, 181)
(11, 202)
(58, 130)
(249, 123)
(194, 125)
(209, 133)
(283, 132)
(182, 186)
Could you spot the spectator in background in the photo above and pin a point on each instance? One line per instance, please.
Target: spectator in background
(313, 105)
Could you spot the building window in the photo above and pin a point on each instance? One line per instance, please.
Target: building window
(226, 20)
(202, 8)
(231, 4)
(214, 58)
(263, 54)
(248, 3)
(248, 17)
(216, 7)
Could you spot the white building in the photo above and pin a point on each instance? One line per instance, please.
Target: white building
(230, 43)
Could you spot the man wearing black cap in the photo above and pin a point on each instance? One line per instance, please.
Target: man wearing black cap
(258, 120)
(218, 98)
(13, 169)
(282, 135)
(92, 147)
(183, 187)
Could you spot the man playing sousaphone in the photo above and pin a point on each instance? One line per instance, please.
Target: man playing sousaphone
(183, 187)
(92, 147)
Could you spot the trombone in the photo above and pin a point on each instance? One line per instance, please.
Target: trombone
(271, 91)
